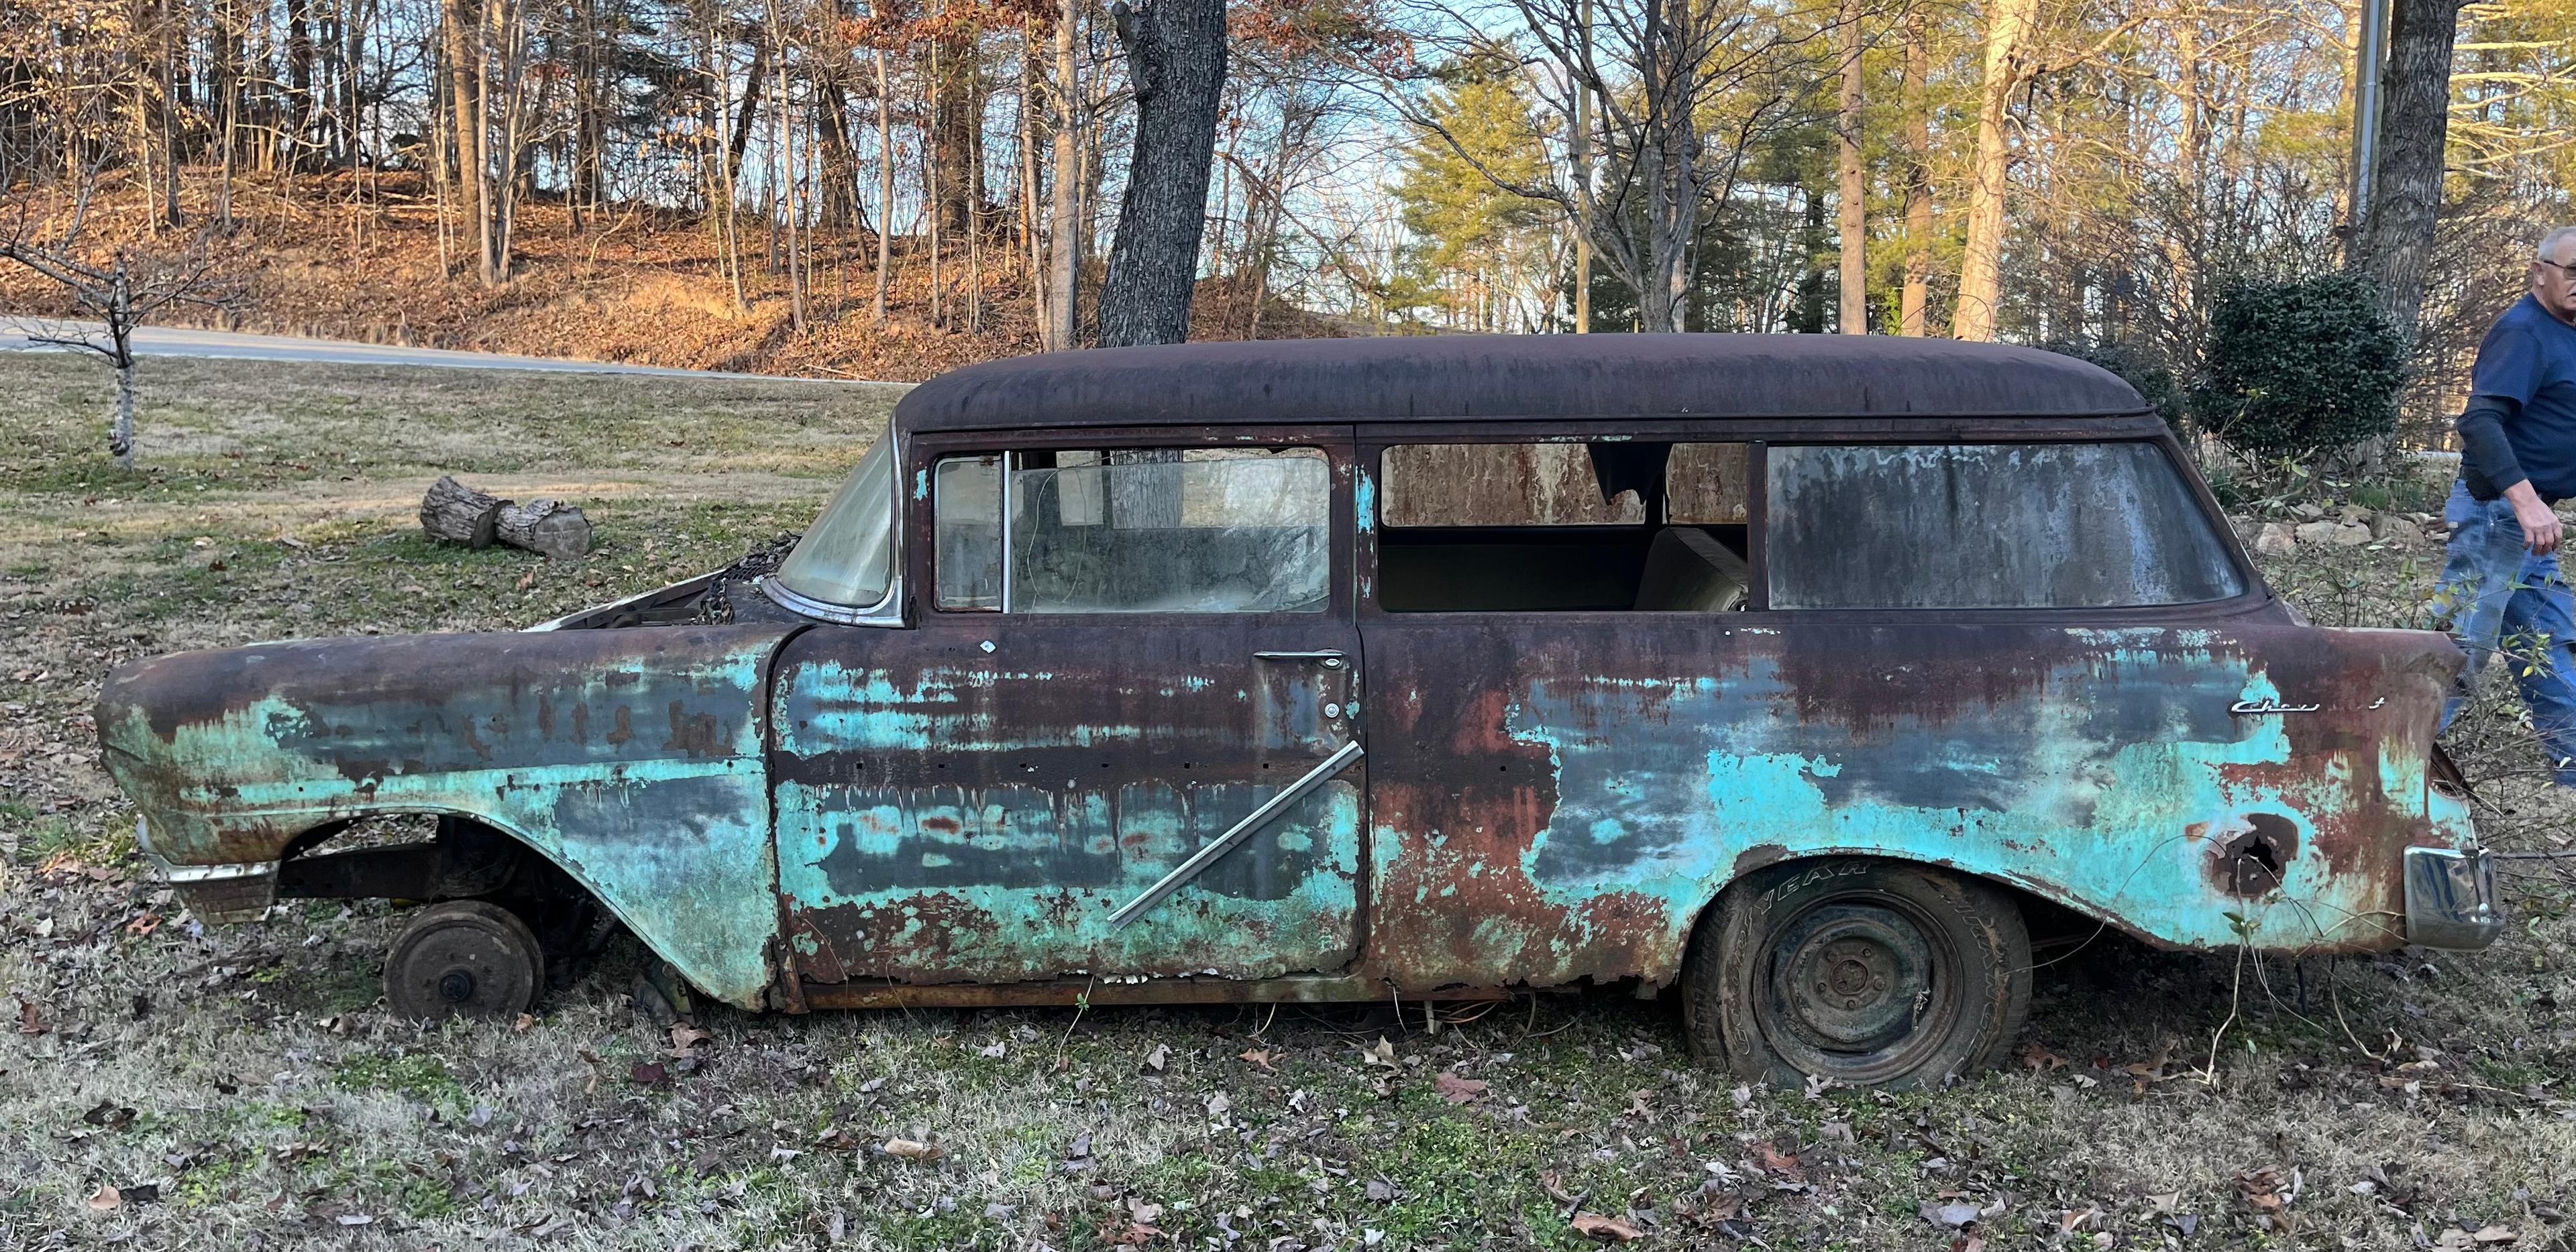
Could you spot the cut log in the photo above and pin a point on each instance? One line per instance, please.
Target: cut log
(456, 513)
(558, 530)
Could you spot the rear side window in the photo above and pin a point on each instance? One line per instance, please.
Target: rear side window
(1988, 526)
(1215, 530)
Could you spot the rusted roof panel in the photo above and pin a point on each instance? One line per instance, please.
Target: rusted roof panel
(1448, 377)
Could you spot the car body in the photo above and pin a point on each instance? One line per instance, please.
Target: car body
(1421, 667)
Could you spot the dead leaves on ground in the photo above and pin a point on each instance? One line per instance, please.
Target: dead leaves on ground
(1607, 1229)
(1458, 1090)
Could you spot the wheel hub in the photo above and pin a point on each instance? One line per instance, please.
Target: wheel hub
(1854, 977)
(457, 986)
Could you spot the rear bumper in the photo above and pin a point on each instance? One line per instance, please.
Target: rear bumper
(2451, 898)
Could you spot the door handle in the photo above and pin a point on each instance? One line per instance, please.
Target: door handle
(1332, 658)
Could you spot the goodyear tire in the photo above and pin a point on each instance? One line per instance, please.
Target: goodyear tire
(464, 958)
(1868, 972)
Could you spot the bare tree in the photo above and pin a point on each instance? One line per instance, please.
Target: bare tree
(1915, 303)
(118, 296)
(1176, 54)
(1852, 186)
(2008, 36)
(2406, 191)
(1684, 90)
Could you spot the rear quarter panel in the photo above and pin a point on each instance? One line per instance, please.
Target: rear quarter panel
(1554, 800)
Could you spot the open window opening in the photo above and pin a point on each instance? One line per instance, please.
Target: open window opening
(1617, 525)
(1151, 530)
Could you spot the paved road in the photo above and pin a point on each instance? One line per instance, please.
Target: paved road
(17, 335)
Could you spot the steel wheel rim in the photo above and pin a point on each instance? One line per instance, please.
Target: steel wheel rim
(1860, 987)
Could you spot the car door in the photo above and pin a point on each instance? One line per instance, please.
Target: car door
(1133, 667)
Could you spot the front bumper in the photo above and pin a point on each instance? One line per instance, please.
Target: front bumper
(2451, 898)
(215, 893)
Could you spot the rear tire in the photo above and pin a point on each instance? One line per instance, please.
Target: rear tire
(463, 958)
(1869, 972)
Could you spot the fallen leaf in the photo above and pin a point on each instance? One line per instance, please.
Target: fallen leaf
(110, 1115)
(2165, 1200)
(649, 1073)
(2041, 1059)
(910, 1149)
(1774, 1160)
(2076, 1218)
(1607, 1229)
(524, 1023)
(1159, 1057)
(106, 1198)
(1258, 1057)
(2495, 1234)
(30, 1022)
(144, 923)
(1952, 1215)
(1457, 1090)
(1218, 1104)
(685, 1038)
(1381, 1054)
(996, 1050)
(2153, 1068)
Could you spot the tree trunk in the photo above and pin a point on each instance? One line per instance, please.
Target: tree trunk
(885, 185)
(463, 52)
(1064, 226)
(1981, 264)
(2406, 192)
(1853, 192)
(1176, 56)
(120, 328)
(2183, 243)
(1914, 313)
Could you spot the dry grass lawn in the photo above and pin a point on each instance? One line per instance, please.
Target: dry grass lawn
(167, 1085)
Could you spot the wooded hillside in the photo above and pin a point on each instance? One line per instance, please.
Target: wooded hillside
(884, 187)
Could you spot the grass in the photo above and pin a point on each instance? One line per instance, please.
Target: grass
(276, 1106)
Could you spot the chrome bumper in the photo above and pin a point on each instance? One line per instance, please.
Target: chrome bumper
(215, 893)
(2451, 898)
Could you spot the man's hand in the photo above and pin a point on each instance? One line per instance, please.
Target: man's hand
(2541, 529)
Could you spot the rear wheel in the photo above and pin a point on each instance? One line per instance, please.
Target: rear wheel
(1868, 972)
(464, 958)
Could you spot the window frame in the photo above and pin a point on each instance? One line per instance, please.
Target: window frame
(1372, 440)
(921, 517)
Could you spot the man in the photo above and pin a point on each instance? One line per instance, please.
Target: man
(2502, 584)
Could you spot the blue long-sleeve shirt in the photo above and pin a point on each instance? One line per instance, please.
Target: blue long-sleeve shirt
(2520, 423)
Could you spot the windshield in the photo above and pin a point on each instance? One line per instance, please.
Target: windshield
(847, 556)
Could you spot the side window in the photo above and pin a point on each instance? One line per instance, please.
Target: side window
(1980, 526)
(1213, 530)
(1633, 525)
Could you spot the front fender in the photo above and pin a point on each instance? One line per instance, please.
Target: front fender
(631, 758)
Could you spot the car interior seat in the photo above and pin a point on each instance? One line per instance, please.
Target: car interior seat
(1689, 571)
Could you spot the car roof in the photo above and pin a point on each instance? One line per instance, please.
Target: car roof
(1435, 378)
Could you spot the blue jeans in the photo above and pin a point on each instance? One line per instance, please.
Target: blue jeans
(2495, 596)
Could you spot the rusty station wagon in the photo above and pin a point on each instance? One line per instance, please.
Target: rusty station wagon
(1793, 670)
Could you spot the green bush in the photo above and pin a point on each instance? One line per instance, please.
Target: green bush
(2154, 382)
(2296, 368)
